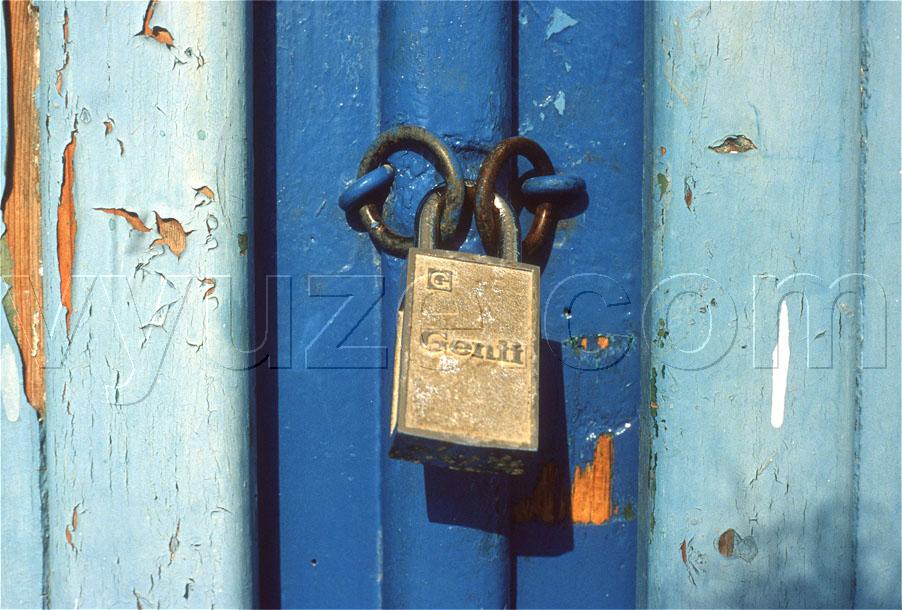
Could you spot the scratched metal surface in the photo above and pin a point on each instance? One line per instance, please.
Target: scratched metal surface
(21, 563)
(751, 495)
(579, 77)
(148, 480)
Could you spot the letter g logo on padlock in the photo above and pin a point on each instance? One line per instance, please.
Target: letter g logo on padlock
(440, 279)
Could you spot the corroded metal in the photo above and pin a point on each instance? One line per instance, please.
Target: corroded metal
(427, 144)
(544, 222)
(466, 372)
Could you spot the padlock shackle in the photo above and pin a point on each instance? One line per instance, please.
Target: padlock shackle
(429, 216)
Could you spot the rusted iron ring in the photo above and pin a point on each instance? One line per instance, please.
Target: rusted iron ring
(544, 221)
(430, 147)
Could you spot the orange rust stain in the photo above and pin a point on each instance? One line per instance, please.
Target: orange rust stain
(21, 202)
(69, 537)
(584, 343)
(75, 518)
(108, 126)
(687, 196)
(160, 34)
(66, 227)
(603, 342)
(663, 150)
(172, 235)
(683, 552)
(591, 489)
(131, 217)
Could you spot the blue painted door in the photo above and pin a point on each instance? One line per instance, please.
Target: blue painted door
(342, 524)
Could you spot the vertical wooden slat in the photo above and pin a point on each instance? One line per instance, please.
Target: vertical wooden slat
(579, 78)
(447, 67)
(21, 548)
(752, 218)
(144, 185)
(878, 553)
(324, 116)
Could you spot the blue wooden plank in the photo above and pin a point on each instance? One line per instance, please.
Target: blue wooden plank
(878, 555)
(21, 544)
(579, 82)
(148, 481)
(21, 559)
(751, 344)
(328, 395)
(446, 66)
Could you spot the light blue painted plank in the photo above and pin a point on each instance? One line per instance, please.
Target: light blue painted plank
(878, 551)
(718, 263)
(147, 398)
(21, 557)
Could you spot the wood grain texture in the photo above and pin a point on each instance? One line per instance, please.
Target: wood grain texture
(777, 222)
(23, 305)
(148, 481)
(21, 557)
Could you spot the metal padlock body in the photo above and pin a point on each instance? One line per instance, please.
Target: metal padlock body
(467, 361)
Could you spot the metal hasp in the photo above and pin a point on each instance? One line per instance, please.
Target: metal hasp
(467, 357)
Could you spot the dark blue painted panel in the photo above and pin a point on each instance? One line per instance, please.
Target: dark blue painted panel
(389, 533)
(580, 95)
(446, 66)
(326, 389)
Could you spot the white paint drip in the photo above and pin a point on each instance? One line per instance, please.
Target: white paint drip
(780, 365)
(9, 383)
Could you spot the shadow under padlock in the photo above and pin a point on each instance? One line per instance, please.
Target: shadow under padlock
(533, 507)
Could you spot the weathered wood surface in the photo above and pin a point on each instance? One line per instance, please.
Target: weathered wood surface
(771, 218)
(144, 201)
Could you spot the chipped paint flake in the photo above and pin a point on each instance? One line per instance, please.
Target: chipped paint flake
(560, 103)
(588, 501)
(547, 502)
(172, 235)
(131, 217)
(158, 33)
(732, 145)
(66, 227)
(559, 22)
(590, 495)
(780, 364)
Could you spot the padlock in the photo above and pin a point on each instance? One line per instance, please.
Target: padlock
(466, 373)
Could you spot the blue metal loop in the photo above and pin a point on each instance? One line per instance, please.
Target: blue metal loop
(372, 185)
(554, 187)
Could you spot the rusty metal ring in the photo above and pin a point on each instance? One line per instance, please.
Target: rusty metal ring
(430, 147)
(486, 221)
